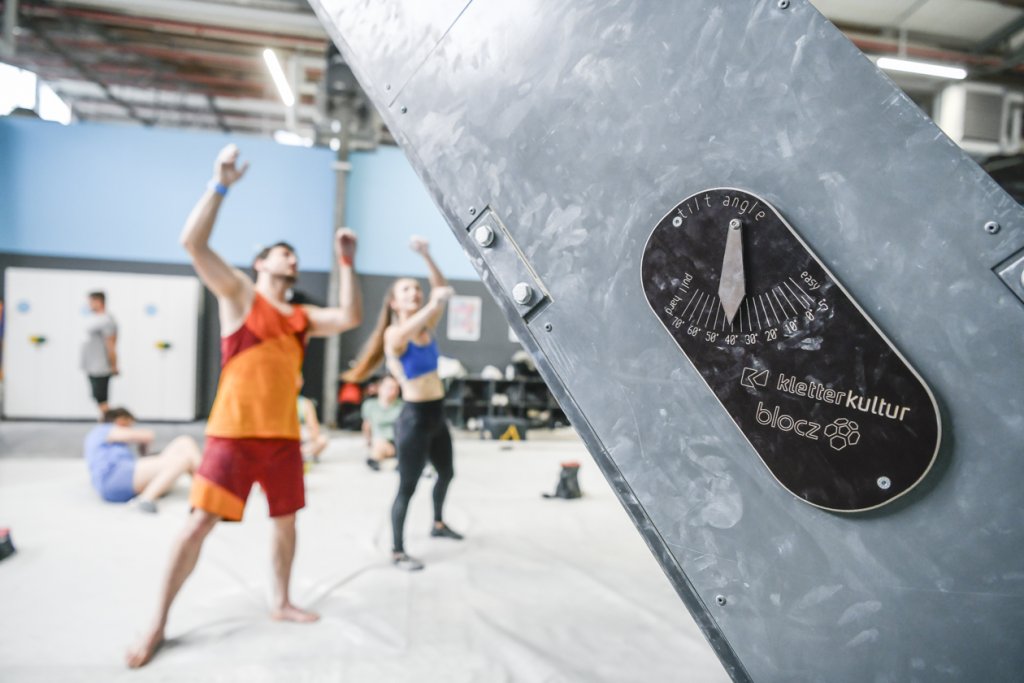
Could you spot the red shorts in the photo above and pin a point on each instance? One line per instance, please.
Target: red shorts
(230, 466)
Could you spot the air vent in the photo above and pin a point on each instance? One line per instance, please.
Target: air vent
(983, 119)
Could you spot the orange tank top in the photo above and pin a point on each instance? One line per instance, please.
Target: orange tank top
(260, 366)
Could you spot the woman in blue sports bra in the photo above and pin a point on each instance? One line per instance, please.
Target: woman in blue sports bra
(404, 338)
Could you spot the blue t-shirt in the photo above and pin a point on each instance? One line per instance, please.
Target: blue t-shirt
(102, 456)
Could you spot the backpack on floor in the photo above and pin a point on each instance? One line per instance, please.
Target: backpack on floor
(568, 482)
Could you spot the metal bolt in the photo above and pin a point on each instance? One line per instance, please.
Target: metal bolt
(884, 483)
(472, 211)
(547, 327)
(720, 599)
(992, 227)
(735, 224)
(404, 109)
(483, 235)
(522, 293)
(783, 4)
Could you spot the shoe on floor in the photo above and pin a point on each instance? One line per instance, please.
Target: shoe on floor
(444, 531)
(406, 563)
(147, 506)
(373, 464)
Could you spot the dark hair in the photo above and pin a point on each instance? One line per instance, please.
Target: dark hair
(265, 251)
(98, 295)
(113, 414)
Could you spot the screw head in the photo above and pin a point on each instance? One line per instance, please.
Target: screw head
(992, 227)
(483, 235)
(884, 483)
(404, 109)
(783, 4)
(720, 599)
(472, 211)
(547, 327)
(522, 293)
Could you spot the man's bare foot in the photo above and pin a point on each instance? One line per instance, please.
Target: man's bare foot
(143, 652)
(292, 613)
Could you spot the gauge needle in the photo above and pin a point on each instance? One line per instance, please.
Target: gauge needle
(732, 284)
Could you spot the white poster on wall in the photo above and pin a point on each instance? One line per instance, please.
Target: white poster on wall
(464, 318)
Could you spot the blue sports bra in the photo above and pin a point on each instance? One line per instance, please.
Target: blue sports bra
(419, 360)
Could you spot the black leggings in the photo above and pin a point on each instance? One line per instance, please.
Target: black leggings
(420, 433)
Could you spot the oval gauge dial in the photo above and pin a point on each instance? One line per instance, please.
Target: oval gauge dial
(837, 415)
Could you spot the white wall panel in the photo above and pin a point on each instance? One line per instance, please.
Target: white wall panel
(157, 317)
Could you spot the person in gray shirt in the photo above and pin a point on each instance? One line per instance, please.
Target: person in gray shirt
(99, 352)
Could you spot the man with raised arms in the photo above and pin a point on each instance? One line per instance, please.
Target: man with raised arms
(253, 430)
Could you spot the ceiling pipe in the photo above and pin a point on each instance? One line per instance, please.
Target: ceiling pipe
(312, 67)
(225, 102)
(10, 34)
(295, 23)
(96, 104)
(179, 27)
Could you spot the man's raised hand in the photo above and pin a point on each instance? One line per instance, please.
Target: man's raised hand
(345, 245)
(225, 169)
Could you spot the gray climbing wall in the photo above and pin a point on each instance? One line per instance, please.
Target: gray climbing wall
(570, 128)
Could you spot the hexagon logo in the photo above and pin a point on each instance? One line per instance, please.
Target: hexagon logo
(842, 433)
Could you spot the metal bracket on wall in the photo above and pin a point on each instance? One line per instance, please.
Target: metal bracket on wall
(509, 266)
(1011, 272)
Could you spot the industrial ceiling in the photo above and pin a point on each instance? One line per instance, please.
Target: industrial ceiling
(199, 64)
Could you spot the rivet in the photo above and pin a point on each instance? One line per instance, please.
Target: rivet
(677, 221)
(992, 227)
(884, 483)
(404, 109)
(783, 4)
(547, 327)
(472, 211)
(735, 224)
(720, 599)
(387, 86)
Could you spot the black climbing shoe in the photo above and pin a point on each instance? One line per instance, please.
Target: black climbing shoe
(445, 532)
(406, 563)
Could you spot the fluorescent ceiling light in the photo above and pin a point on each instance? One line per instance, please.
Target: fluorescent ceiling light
(277, 73)
(923, 68)
(286, 137)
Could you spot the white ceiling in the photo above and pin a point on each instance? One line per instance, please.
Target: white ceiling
(966, 21)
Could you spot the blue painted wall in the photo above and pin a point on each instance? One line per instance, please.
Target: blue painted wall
(387, 204)
(123, 193)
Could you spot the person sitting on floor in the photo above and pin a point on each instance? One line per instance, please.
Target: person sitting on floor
(119, 476)
(379, 415)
